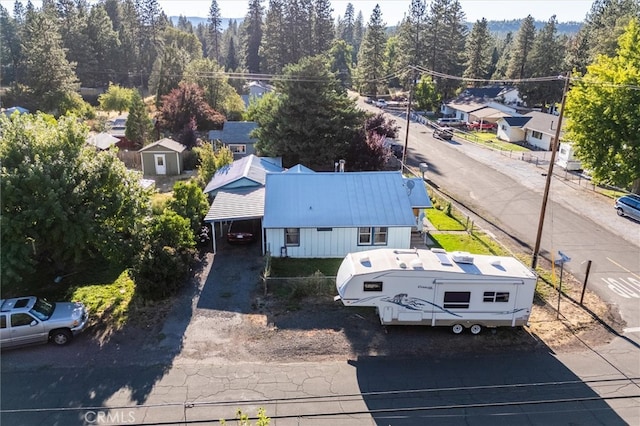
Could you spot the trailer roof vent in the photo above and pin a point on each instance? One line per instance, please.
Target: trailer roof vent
(462, 257)
(497, 263)
(442, 256)
(416, 264)
(365, 261)
(401, 264)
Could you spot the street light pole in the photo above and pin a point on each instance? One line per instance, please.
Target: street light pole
(545, 197)
(406, 135)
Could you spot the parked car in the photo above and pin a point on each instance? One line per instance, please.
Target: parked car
(481, 125)
(445, 133)
(368, 100)
(243, 231)
(629, 205)
(381, 103)
(450, 122)
(396, 147)
(29, 320)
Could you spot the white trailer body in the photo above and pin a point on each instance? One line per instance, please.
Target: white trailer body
(437, 288)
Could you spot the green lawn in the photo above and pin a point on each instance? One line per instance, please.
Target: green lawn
(289, 267)
(476, 243)
(491, 140)
(444, 222)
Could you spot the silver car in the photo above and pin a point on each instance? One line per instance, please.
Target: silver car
(29, 320)
(629, 205)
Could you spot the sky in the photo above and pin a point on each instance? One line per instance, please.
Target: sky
(394, 10)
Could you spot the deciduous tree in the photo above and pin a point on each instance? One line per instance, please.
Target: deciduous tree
(184, 103)
(603, 112)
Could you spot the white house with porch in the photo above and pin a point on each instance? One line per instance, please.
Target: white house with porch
(331, 214)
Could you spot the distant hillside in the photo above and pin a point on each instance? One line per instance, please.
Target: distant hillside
(196, 20)
(501, 28)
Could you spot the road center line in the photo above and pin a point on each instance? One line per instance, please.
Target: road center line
(622, 267)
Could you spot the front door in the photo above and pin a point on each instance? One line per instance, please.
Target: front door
(161, 164)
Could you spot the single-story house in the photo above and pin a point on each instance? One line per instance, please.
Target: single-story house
(469, 109)
(247, 172)
(235, 135)
(20, 110)
(331, 214)
(510, 129)
(102, 141)
(163, 157)
(540, 130)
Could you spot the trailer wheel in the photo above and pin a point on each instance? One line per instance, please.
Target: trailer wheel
(476, 329)
(457, 328)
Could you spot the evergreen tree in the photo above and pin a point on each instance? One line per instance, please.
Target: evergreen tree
(358, 35)
(371, 58)
(605, 22)
(48, 74)
(10, 46)
(479, 48)
(519, 62)
(503, 49)
(577, 52)
(104, 44)
(215, 32)
(139, 129)
(252, 36)
(184, 24)
(275, 46)
(412, 37)
(340, 62)
(545, 59)
(319, 137)
(346, 30)
(603, 116)
(323, 30)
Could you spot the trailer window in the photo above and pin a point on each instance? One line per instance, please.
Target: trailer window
(457, 299)
(372, 286)
(493, 296)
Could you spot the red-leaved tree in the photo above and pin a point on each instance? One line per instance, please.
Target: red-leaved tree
(185, 103)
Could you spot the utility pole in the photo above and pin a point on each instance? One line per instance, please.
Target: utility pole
(406, 135)
(554, 149)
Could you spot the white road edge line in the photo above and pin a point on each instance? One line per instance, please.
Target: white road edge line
(631, 330)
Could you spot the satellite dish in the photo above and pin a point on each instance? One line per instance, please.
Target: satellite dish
(410, 185)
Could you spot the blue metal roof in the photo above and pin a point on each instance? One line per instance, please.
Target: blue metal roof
(235, 132)
(418, 195)
(350, 199)
(251, 169)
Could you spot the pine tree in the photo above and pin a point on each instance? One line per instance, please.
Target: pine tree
(48, 73)
(215, 32)
(605, 22)
(139, 129)
(323, 30)
(275, 46)
(347, 25)
(252, 36)
(523, 43)
(411, 38)
(371, 58)
(478, 51)
(545, 59)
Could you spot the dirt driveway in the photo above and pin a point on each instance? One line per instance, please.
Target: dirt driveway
(233, 321)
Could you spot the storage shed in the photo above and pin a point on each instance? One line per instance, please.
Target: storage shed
(164, 157)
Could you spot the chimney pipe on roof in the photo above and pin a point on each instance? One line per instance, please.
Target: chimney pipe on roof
(342, 166)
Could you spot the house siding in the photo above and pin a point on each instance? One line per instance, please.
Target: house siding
(172, 162)
(332, 244)
(544, 143)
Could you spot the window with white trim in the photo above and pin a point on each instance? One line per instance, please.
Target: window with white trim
(373, 236)
(292, 237)
(536, 135)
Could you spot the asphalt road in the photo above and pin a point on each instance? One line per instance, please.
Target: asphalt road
(506, 193)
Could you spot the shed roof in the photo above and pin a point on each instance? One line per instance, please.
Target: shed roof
(245, 203)
(166, 143)
(467, 104)
(351, 199)
(102, 140)
(299, 168)
(235, 132)
(251, 167)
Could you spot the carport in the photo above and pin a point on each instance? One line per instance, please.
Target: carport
(239, 204)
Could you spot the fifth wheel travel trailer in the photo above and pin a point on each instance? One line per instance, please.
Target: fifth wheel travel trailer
(438, 288)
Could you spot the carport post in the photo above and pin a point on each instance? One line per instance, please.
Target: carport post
(584, 285)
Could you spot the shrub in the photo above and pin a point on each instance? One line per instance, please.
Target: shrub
(161, 271)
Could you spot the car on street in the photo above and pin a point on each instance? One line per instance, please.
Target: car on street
(30, 320)
(381, 103)
(243, 231)
(445, 133)
(629, 205)
(481, 125)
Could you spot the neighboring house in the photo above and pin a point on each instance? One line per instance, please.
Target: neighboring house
(117, 127)
(256, 90)
(247, 172)
(299, 168)
(469, 109)
(510, 129)
(20, 110)
(102, 141)
(332, 214)
(235, 135)
(540, 130)
(164, 157)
